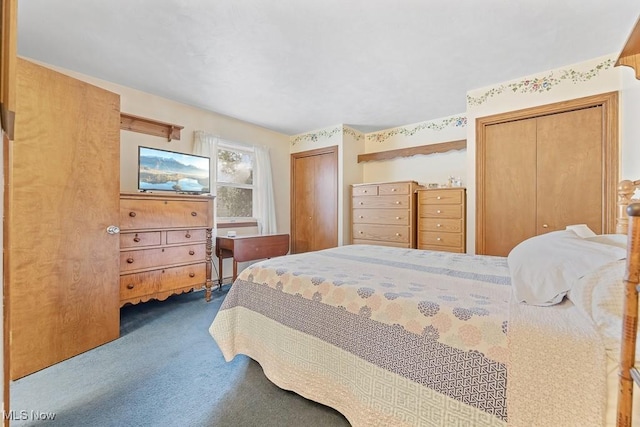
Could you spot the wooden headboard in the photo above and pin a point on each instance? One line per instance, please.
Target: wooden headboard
(626, 189)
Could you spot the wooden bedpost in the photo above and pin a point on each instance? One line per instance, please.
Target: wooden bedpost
(630, 319)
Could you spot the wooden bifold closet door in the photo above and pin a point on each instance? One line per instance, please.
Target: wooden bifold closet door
(540, 174)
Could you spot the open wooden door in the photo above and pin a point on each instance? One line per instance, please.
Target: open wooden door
(62, 265)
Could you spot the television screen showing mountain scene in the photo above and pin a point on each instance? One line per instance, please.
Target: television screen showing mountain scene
(171, 171)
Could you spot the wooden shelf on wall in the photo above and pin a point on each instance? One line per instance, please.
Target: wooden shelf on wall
(150, 126)
(413, 151)
(630, 55)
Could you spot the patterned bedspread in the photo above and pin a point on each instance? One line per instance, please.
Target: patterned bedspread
(386, 336)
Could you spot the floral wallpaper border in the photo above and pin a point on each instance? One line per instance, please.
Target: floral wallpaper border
(354, 133)
(457, 121)
(326, 133)
(541, 84)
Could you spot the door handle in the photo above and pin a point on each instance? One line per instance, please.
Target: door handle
(112, 229)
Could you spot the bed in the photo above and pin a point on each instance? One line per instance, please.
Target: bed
(391, 336)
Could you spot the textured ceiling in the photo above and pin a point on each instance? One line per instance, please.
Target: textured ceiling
(299, 65)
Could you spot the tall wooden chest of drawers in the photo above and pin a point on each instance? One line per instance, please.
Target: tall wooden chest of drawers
(165, 245)
(442, 219)
(384, 214)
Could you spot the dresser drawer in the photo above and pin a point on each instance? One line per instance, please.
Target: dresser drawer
(440, 197)
(455, 249)
(365, 190)
(156, 257)
(440, 211)
(381, 216)
(399, 201)
(392, 233)
(394, 188)
(181, 277)
(141, 239)
(381, 243)
(139, 284)
(439, 239)
(150, 282)
(441, 225)
(140, 214)
(186, 236)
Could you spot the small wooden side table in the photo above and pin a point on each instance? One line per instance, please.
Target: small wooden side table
(249, 248)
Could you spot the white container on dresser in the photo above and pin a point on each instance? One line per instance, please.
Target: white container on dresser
(165, 245)
(384, 213)
(442, 219)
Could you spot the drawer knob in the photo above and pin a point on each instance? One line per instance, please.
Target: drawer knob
(194, 213)
(438, 197)
(398, 234)
(192, 274)
(438, 211)
(132, 214)
(361, 216)
(130, 260)
(438, 239)
(187, 236)
(361, 232)
(545, 226)
(191, 252)
(398, 217)
(130, 286)
(362, 203)
(393, 189)
(438, 225)
(136, 239)
(398, 202)
(364, 191)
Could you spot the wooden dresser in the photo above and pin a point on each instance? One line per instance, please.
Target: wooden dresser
(442, 219)
(384, 213)
(165, 245)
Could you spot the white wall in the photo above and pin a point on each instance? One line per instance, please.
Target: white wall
(352, 173)
(154, 107)
(591, 77)
(432, 168)
(573, 81)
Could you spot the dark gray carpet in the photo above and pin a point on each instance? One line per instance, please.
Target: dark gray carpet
(164, 370)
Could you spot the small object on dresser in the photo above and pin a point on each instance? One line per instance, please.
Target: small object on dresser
(231, 233)
(433, 185)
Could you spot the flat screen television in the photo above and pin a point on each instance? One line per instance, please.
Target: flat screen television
(163, 170)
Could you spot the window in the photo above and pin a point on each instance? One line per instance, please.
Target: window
(234, 181)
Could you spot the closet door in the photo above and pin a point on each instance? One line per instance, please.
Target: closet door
(570, 170)
(62, 265)
(542, 169)
(509, 185)
(303, 204)
(314, 200)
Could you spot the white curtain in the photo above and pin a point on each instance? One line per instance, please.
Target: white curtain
(265, 208)
(205, 144)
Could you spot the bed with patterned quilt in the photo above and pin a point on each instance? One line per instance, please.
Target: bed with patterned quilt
(404, 337)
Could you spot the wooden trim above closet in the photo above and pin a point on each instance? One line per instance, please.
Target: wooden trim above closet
(150, 126)
(441, 147)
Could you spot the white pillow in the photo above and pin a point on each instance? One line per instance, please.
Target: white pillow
(619, 240)
(600, 295)
(581, 230)
(544, 267)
